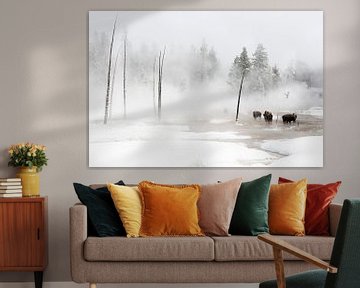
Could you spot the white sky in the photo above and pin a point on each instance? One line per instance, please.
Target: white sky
(288, 36)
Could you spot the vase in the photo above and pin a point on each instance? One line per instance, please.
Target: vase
(30, 181)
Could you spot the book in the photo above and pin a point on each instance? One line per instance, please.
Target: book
(10, 180)
(10, 188)
(10, 183)
(4, 195)
(10, 191)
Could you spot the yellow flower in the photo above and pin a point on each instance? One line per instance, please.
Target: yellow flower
(11, 151)
(28, 154)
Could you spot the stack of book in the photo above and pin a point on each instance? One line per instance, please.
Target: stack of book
(10, 187)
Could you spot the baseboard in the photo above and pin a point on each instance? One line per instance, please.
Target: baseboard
(74, 285)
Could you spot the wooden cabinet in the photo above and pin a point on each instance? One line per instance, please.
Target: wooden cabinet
(23, 235)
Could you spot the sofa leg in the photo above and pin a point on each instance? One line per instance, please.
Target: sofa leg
(92, 285)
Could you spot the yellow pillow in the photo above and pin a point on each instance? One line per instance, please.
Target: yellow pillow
(287, 204)
(169, 210)
(127, 201)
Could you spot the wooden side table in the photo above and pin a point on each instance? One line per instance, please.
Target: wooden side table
(23, 235)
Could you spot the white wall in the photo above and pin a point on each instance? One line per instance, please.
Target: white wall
(44, 99)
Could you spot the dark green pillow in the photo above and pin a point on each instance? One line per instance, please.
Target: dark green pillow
(103, 218)
(250, 216)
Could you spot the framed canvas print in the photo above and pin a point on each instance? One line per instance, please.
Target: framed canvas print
(206, 89)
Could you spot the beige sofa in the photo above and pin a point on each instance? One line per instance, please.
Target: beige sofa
(234, 259)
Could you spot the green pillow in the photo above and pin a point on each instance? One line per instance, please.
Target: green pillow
(250, 216)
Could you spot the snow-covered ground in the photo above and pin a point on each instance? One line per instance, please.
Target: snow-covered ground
(298, 152)
(129, 143)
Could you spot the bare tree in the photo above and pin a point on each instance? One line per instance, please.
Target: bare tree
(154, 99)
(240, 90)
(124, 74)
(161, 64)
(107, 98)
(113, 84)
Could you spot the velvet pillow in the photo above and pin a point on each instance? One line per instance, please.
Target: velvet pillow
(216, 206)
(250, 215)
(169, 210)
(102, 214)
(319, 197)
(127, 201)
(287, 204)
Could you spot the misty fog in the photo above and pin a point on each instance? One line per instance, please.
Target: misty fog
(275, 57)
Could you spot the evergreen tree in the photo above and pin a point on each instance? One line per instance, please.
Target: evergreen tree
(276, 78)
(241, 63)
(204, 64)
(260, 58)
(261, 72)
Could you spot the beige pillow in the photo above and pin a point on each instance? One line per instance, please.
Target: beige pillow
(216, 206)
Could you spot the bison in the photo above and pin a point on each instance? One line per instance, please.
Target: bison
(268, 116)
(288, 118)
(256, 114)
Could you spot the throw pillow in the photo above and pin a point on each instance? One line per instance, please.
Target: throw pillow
(127, 201)
(287, 204)
(216, 206)
(250, 215)
(169, 210)
(319, 197)
(102, 214)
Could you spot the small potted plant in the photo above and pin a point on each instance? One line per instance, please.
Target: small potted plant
(30, 158)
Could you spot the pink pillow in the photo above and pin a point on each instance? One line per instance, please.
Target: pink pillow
(216, 205)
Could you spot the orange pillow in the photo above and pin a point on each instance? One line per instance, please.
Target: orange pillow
(287, 204)
(169, 210)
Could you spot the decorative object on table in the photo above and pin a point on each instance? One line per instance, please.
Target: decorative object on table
(211, 89)
(10, 187)
(30, 158)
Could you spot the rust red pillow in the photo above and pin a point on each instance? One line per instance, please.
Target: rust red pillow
(319, 197)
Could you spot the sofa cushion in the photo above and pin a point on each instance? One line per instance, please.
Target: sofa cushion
(287, 204)
(216, 205)
(102, 216)
(149, 249)
(127, 201)
(318, 199)
(250, 215)
(244, 248)
(169, 210)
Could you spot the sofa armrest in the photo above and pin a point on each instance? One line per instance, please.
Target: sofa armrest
(78, 235)
(334, 217)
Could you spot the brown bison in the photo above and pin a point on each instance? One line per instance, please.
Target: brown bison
(288, 118)
(256, 114)
(268, 116)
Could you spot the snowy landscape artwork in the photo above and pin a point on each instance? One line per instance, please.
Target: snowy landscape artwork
(206, 89)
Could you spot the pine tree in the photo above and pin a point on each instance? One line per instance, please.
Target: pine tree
(240, 67)
(261, 72)
(260, 58)
(240, 64)
(276, 78)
